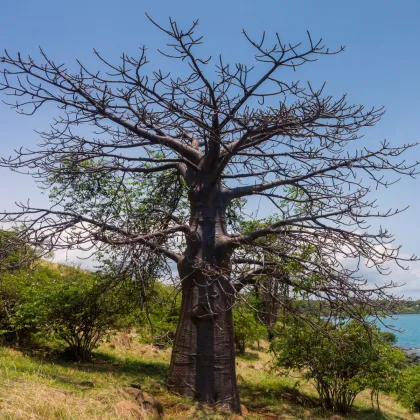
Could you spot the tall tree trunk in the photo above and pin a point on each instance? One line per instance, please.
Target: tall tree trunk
(203, 357)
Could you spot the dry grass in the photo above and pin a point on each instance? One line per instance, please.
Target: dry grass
(32, 387)
(31, 400)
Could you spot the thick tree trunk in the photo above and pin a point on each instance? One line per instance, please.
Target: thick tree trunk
(203, 357)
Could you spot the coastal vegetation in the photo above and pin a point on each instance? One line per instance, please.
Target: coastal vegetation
(408, 307)
(409, 388)
(71, 352)
(341, 360)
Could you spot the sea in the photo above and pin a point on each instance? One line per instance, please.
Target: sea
(409, 336)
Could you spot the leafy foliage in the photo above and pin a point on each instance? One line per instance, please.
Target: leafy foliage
(248, 328)
(16, 260)
(12, 291)
(71, 305)
(408, 307)
(159, 316)
(15, 254)
(408, 389)
(351, 359)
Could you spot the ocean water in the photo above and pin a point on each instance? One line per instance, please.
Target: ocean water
(410, 324)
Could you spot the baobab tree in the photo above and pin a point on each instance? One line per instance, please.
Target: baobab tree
(167, 166)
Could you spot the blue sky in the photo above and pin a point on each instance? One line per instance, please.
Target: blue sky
(379, 67)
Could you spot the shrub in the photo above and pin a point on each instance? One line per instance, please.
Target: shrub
(408, 390)
(159, 315)
(73, 306)
(12, 290)
(385, 367)
(389, 337)
(342, 360)
(246, 326)
(16, 260)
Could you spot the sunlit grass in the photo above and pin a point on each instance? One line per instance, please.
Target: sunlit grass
(35, 387)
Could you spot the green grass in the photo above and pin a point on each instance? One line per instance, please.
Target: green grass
(40, 386)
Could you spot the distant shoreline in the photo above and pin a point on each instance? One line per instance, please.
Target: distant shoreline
(412, 353)
(405, 313)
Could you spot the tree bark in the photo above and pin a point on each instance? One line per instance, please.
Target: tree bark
(203, 357)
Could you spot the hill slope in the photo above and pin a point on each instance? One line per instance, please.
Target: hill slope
(33, 386)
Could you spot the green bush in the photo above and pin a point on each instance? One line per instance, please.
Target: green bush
(386, 366)
(246, 325)
(159, 315)
(72, 306)
(12, 291)
(408, 390)
(389, 337)
(342, 360)
(16, 262)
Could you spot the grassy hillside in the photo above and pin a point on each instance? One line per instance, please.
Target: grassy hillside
(36, 386)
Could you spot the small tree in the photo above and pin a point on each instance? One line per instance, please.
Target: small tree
(386, 368)
(342, 360)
